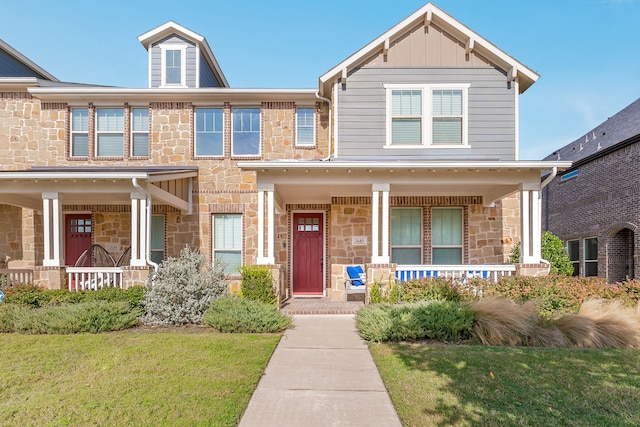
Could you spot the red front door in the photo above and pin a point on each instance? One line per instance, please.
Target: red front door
(78, 236)
(308, 262)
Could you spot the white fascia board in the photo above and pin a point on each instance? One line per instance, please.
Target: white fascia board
(439, 17)
(195, 95)
(71, 175)
(390, 165)
(164, 30)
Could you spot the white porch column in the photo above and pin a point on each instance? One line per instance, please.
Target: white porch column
(53, 226)
(530, 240)
(376, 257)
(138, 230)
(269, 259)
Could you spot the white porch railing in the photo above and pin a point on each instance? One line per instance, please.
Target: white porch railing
(93, 278)
(14, 276)
(488, 272)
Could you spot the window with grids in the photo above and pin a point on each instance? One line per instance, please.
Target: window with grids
(140, 132)
(573, 249)
(305, 126)
(109, 132)
(173, 67)
(591, 257)
(209, 132)
(406, 236)
(227, 241)
(446, 235)
(245, 138)
(157, 238)
(79, 132)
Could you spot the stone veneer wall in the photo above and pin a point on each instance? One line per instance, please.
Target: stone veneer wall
(11, 245)
(493, 231)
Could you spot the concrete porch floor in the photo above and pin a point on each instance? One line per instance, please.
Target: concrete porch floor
(319, 305)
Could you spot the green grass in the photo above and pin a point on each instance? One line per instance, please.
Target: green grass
(140, 377)
(458, 385)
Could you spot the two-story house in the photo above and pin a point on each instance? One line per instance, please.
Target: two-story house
(404, 160)
(595, 205)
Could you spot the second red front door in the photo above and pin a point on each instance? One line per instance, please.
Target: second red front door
(308, 253)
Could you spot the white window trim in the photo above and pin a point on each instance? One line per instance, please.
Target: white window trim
(78, 132)
(306, 107)
(133, 132)
(462, 243)
(421, 244)
(244, 107)
(183, 65)
(104, 132)
(213, 238)
(427, 106)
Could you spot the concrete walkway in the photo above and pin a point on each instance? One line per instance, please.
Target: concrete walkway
(321, 374)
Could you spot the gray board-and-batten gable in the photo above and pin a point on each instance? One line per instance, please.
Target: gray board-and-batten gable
(11, 67)
(491, 109)
(156, 60)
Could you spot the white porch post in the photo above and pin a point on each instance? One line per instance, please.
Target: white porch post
(376, 257)
(53, 225)
(531, 244)
(138, 230)
(269, 259)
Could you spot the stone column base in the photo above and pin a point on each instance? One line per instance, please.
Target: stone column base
(135, 276)
(532, 270)
(50, 277)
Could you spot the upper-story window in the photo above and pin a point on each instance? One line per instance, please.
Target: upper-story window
(80, 132)
(209, 132)
(140, 132)
(245, 138)
(427, 115)
(173, 65)
(305, 126)
(110, 132)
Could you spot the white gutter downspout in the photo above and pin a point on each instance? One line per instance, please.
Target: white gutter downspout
(328, 101)
(134, 181)
(547, 181)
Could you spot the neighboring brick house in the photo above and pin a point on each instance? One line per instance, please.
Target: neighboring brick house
(406, 156)
(595, 205)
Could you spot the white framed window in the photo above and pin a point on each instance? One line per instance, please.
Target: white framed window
(591, 256)
(573, 249)
(446, 236)
(433, 115)
(79, 132)
(140, 132)
(305, 126)
(173, 65)
(227, 241)
(209, 132)
(245, 136)
(406, 236)
(109, 132)
(157, 238)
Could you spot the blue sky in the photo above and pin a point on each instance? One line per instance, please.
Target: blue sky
(584, 50)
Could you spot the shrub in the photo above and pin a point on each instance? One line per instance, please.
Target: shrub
(257, 284)
(553, 250)
(36, 297)
(429, 289)
(182, 290)
(500, 321)
(92, 317)
(444, 320)
(233, 314)
(384, 293)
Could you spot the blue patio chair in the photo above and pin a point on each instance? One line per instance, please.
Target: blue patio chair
(357, 281)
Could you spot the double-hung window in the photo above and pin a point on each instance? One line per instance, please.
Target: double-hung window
(109, 132)
(305, 126)
(406, 236)
(573, 249)
(79, 132)
(173, 65)
(427, 115)
(591, 256)
(446, 235)
(227, 241)
(245, 139)
(209, 132)
(140, 132)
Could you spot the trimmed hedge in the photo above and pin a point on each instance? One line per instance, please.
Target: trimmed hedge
(35, 297)
(233, 314)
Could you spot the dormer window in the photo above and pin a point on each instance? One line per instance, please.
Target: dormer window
(173, 65)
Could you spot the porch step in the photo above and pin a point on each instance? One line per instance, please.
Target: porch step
(320, 305)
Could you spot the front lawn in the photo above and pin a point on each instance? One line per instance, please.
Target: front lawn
(140, 377)
(439, 384)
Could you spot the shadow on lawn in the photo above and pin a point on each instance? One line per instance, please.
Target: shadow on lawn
(486, 386)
